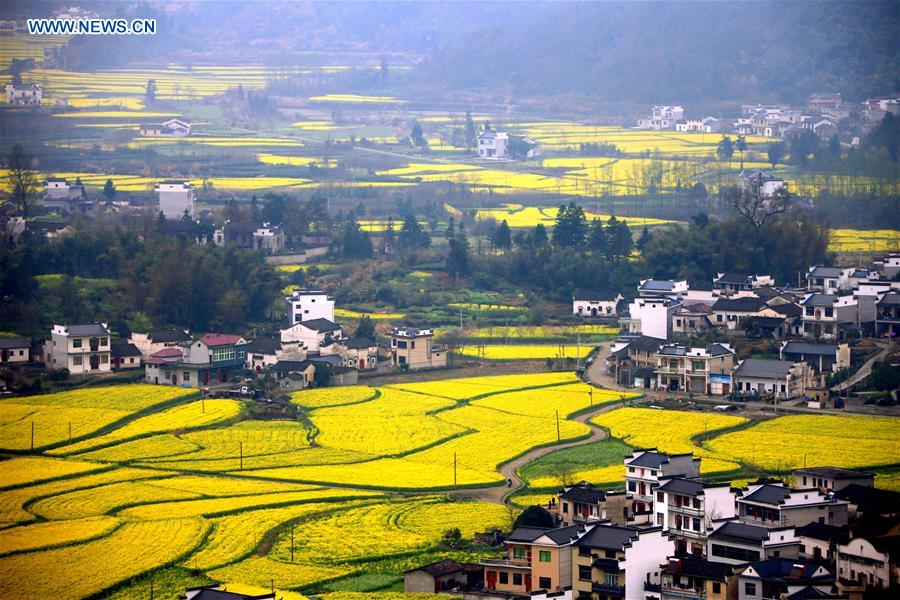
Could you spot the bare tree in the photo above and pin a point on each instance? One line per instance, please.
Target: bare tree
(23, 179)
(564, 473)
(757, 205)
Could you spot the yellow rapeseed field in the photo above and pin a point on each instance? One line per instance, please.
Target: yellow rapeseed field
(670, 431)
(525, 352)
(469, 387)
(853, 240)
(333, 396)
(849, 441)
(54, 533)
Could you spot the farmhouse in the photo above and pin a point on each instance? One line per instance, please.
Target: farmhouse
(685, 507)
(14, 350)
(693, 577)
(775, 378)
(591, 303)
(779, 577)
(125, 355)
(214, 359)
(662, 117)
(82, 349)
(24, 95)
(175, 198)
(149, 342)
(828, 279)
(651, 316)
(727, 312)
(362, 353)
(832, 479)
(644, 470)
(262, 353)
(887, 315)
(170, 128)
(769, 185)
(662, 287)
(436, 577)
(734, 542)
(632, 361)
(821, 357)
(728, 283)
(293, 375)
(705, 370)
(314, 334)
(871, 561)
(770, 505)
(823, 314)
(536, 558)
(414, 348)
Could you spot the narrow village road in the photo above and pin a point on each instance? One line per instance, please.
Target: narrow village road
(500, 493)
(596, 371)
(865, 370)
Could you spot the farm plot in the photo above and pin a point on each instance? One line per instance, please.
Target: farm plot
(334, 396)
(547, 402)
(54, 533)
(470, 387)
(524, 352)
(132, 549)
(848, 441)
(188, 416)
(670, 431)
(52, 416)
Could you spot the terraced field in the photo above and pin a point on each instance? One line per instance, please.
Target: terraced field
(203, 495)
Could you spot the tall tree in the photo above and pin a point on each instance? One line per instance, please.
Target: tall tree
(757, 205)
(471, 131)
(597, 240)
(412, 236)
(502, 237)
(23, 179)
(109, 192)
(389, 240)
(725, 149)
(417, 136)
(644, 239)
(150, 92)
(458, 258)
(740, 144)
(365, 328)
(620, 240)
(539, 235)
(776, 153)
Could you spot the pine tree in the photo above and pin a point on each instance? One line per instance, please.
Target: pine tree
(619, 238)
(389, 241)
(451, 229)
(150, 93)
(644, 239)
(539, 235)
(597, 240)
(471, 131)
(502, 237)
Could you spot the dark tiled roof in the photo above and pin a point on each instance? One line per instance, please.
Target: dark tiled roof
(788, 309)
(88, 329)
(684, 487)
(14, 342)
(835, 472)
(646, 343)
(585, 493)
(870, 500)
(826, 272)
(263, 346)
(820, 300)
(764, 368)
(718, 350)
(810, 348)
(607, 536)
(891, 299)
(291, 366)
(120, 349)
(820, 531)
(359, 343)
(768, 494)
(785, 569)
(167, 336)
(526, 534)
(405, 331)
(649, 459)
(738, 305)
(767, 322)
(658, 285)
(699, 568)
(733, 278)
(440, 568)
(321, 325)
(741, 531)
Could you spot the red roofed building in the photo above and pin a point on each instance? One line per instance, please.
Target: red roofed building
(216, 358)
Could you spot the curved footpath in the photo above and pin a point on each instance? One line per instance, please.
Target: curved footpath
(596, 375)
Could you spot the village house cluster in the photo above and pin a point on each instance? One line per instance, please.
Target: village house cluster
(825, 114)
(810, 321)
(311, 350)
(668, 534)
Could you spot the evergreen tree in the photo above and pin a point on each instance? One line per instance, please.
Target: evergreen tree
(356, 243)
(451, 229)
(502, 237)
(150, 93)
(740, 144)
(644, 239)
(597, 240)
(775, 152)
(417, 136)
(412, 236)
(725, 149)
(619, 237)
(365, 328)
(458, 259)
(471, 131)
(254, 209)
(389, 240)
(109, 192)
(571, 226)
(539, 235)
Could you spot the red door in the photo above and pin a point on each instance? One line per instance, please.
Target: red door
(491, 579)
(527, 582)
(205, 377)
(174, 378)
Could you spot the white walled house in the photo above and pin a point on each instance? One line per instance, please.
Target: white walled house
(686, 508)
(738, 282)
(82, 349)
(176, 197)
(645, 468)
(832, 479)
(170, 128)
(824, 313)
(651, 317)
(414, 348)
(663, 287)
(24, 95)
(777, 378)
(316, 335)
(662, 117)
(828, 279)
(822, 357)
(735, 542)
(889, 266)
(268, 238)
(699, 370)
(150, 342)
(769, 185)
(592, 303)
(871, 562)
(492, 144)
(14, 350)
(773, 506)
(306, 305)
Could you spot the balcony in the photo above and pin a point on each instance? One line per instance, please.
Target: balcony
(683, 591)
(516, 563)
(685, 510)
(606, 588)
(652, 587)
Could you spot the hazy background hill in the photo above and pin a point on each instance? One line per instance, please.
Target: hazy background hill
(629, 52)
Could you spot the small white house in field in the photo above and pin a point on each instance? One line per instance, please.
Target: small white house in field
(170, 128)
(662, 117)
(24, 95)
(501, 145)
(592, 303)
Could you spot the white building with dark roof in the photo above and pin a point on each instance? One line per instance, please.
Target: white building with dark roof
(316, 335)
(594, 303)
(28, 94)
(176, 197)
(82, 349)
(645, 468)
(776, 505)
(306, 305)
(698, 370)
(828, 279)
(822, 357)
(779, 379)
(687, 507)
(14, 350)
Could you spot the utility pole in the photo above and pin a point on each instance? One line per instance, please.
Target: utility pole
(151, 589)
(454, 469)
(591, 394)
(558, 437)
(242, 456)
(292, 542)
(203, 405)
(32, 436)
(70, 432)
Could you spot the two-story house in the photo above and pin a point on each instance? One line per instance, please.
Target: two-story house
(632, 361)
(704, 370)
(692, 578)
(28, 94)
(784, 577)
(316, 335)
(215, 358)
(654, 288)
(414, 348)
(650, 316)
(150, 342)
(779, 379)
(828, 279)
(82, 349)
(872, 562)
(728, 312)
(306, 305)
(645, 468)
(614, 562)
(686, 509)
(889, 265)
(823, 314)
(776, 505)
(493, 144)
(735, 542)
(831, 479)
(887, 316)
(536, 558)
(592, 303)
(821, 357)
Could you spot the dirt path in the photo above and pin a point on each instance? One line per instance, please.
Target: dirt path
(500, 493)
